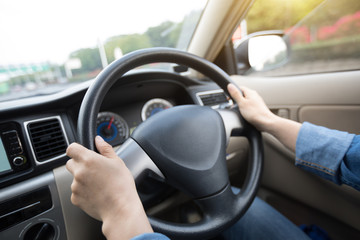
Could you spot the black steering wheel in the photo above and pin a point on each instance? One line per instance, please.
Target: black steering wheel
(185, 145)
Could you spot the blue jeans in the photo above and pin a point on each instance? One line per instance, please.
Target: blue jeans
(261, 221)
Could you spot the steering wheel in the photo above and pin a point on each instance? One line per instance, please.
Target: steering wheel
(185, 145)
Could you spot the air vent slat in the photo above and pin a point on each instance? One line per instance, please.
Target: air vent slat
(45, 126)
(52, 147)
(44, 140)
(53, 132)
(47, 139)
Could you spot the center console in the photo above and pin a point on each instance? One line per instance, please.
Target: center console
(29, 201)
(13, 156)
(31, 210)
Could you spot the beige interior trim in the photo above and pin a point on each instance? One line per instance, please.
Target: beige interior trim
(77, 223)
(315, 89)
(212, 33)
(280, 173)
(344, 118)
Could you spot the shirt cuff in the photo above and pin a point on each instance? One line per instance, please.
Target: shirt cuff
(350, 166)
(321, 150)
(151, 236)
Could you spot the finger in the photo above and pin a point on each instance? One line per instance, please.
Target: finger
(75, 200)
(75, 151)
(104, 148)
(246, 91)
(251, 94)
(70, 166)
(235, 93)
(75, 187)
(73, 167)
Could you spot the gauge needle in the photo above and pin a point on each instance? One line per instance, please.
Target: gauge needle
(111, 121)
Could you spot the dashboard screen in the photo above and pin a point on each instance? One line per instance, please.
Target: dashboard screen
(4, 163)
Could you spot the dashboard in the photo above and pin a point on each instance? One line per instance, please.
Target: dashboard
(36, 131)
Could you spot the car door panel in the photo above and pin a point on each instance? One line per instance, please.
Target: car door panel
(330, 100)
(341, 117)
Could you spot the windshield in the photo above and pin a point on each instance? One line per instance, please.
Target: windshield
(47, 46)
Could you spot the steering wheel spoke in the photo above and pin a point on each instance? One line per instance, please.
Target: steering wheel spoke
(213, 206)
(136, 160)
(234, 123)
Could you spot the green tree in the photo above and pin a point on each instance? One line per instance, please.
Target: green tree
(164, 35)
(278, 14)
(127, 43)
(333, 10)
(90, 59)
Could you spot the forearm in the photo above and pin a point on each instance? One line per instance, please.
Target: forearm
(285, 130)
(328, 153)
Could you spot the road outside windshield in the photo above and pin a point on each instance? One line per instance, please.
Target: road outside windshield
(47, 46)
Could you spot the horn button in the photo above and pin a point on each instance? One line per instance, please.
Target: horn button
(188, 144)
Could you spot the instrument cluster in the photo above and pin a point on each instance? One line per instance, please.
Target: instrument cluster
(114, 129)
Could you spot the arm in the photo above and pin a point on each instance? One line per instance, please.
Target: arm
(104, 188)
(255, 111)
(350, 167)
(331, 154)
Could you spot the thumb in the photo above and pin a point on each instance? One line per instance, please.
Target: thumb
(235, 93)
(104, 148)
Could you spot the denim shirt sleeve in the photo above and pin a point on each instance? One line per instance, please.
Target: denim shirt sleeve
(350, 167)
(331, 154)
(151, 236)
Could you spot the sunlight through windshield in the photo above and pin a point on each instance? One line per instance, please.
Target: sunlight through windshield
(49, 45)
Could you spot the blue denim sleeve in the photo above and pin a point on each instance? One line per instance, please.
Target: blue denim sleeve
(151, 236)
(331, 154)
(350, 167)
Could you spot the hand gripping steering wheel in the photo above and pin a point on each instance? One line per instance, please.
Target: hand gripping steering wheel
(186, 145)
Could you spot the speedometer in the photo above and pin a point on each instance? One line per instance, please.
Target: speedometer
(154, 106)
(112, 128)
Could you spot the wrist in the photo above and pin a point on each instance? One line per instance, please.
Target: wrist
(285, 130)
(126, 223)
(275, 124)
(268, 122)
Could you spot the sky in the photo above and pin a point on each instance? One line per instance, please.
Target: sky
(49, 30)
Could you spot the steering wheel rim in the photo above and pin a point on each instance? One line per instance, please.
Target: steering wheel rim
(216, 217)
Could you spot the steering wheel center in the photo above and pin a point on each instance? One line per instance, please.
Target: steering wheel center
(187, 143)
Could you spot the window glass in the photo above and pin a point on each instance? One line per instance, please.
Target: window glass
(324, 36)
(47, 46)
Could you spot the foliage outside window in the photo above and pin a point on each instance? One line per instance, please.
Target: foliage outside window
(324, 35)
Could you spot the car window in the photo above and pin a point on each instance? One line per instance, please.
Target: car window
(324, 36)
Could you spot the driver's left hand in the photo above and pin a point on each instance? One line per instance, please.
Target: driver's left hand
(104, 188)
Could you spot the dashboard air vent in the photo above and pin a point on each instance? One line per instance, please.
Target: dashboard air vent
(47, 138)
(213, 98)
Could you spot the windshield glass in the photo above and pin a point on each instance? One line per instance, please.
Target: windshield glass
(47, 46)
